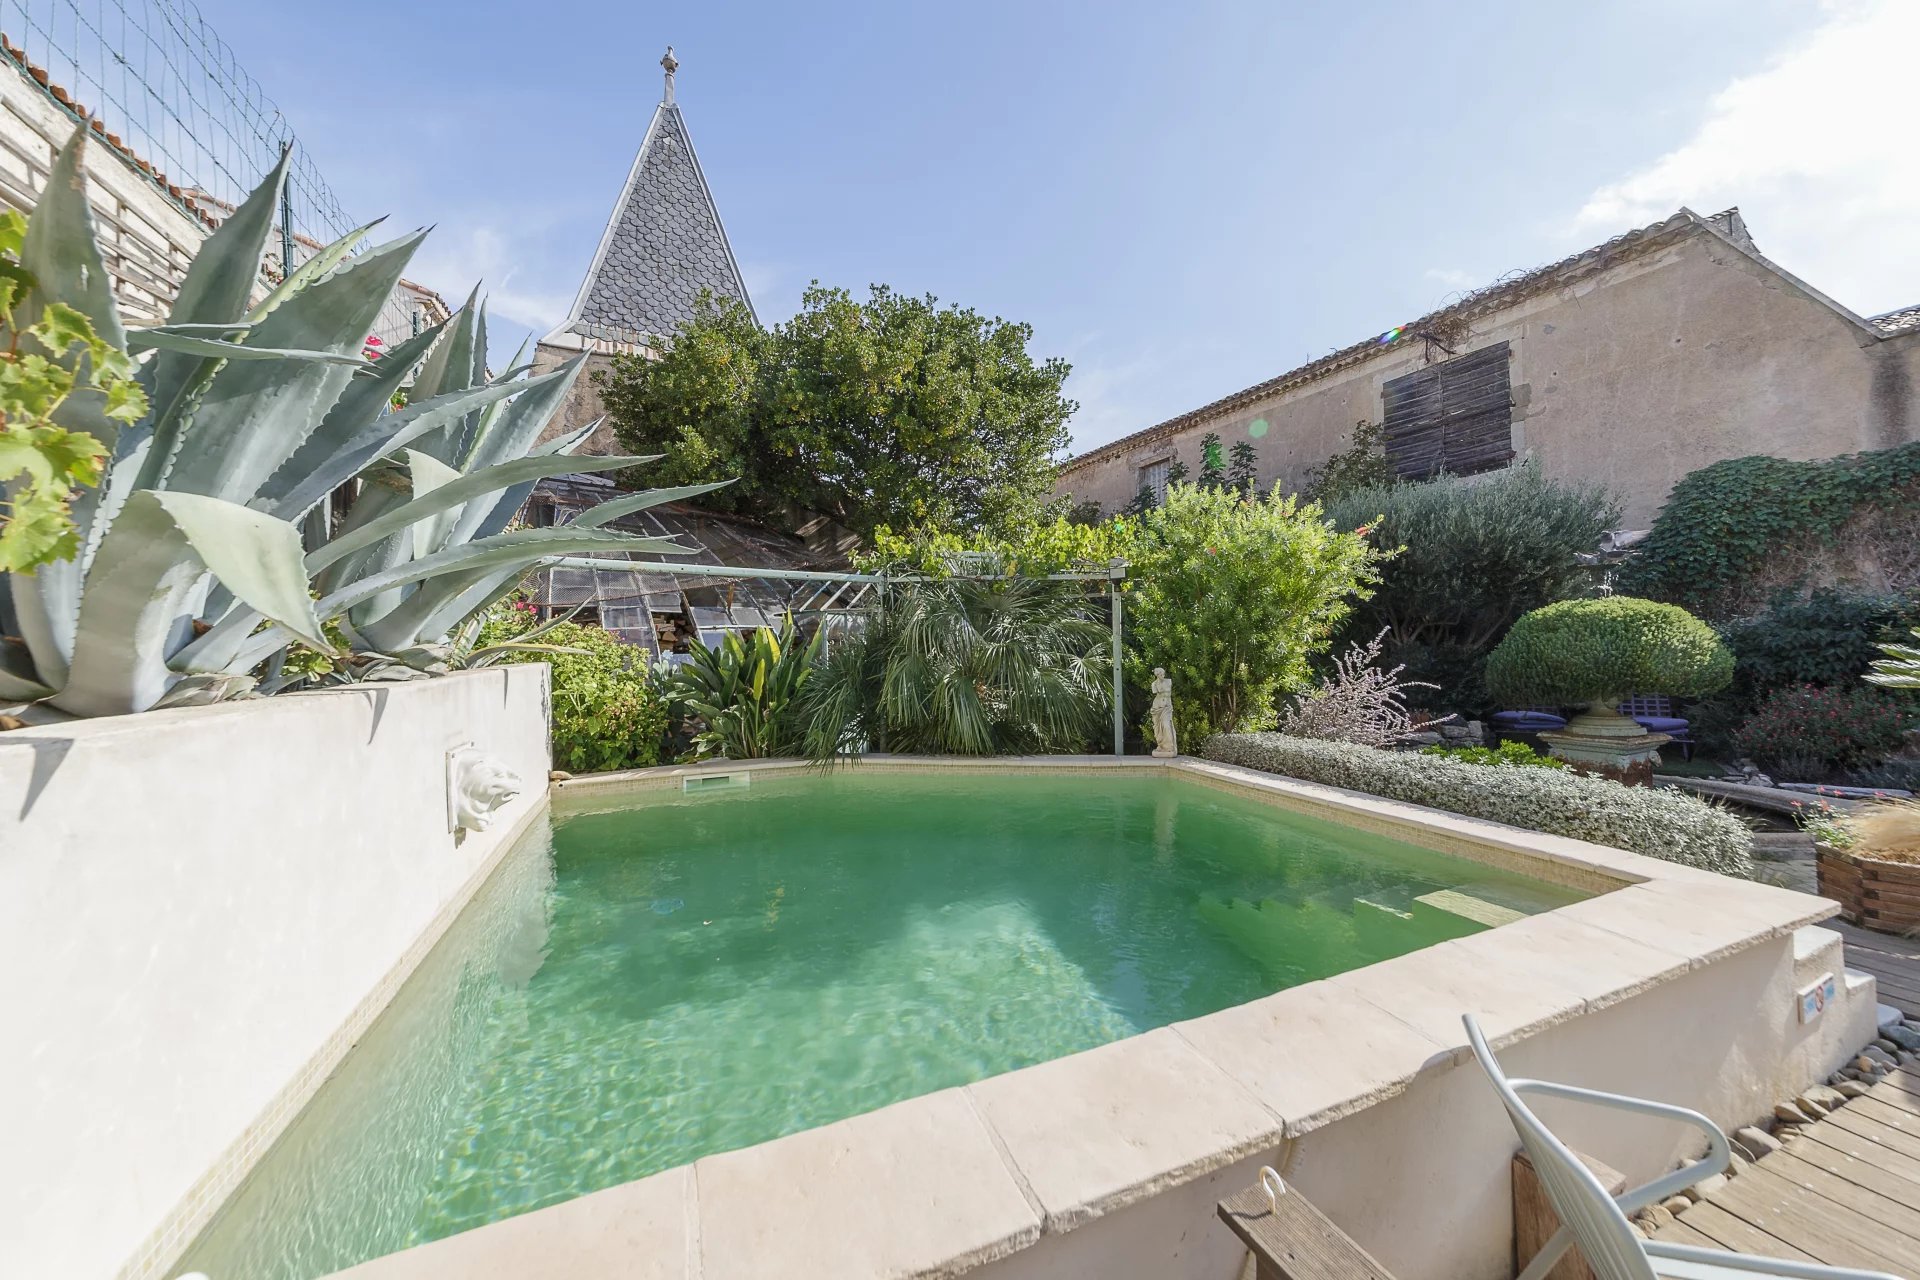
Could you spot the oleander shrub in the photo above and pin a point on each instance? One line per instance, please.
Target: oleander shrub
(1830, 637)
(1583, 651)
(1658, 823)
(607, 714)
(1512, 751)
(1835, 727)
(1233, 597)
(1735, 532)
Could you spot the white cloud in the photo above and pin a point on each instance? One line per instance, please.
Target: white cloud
(1817, 154)
(454, 260)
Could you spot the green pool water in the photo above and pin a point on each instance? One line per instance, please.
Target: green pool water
(635, 989)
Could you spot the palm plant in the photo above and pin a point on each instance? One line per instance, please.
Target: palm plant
(1900, 668)
(191, 569)
(974, 666)
(748, 692)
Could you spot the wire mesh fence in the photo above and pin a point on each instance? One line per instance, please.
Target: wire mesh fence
(159, 77)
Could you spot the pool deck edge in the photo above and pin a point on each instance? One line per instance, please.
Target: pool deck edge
(938, 1184)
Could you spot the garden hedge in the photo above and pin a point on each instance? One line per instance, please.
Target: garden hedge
(1658, 823)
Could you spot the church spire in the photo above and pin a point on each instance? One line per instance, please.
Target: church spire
(663, 245)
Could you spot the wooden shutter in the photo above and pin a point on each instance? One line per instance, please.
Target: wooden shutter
(1455, 417)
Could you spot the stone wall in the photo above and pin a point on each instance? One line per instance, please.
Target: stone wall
(583, 403)
(200, 911)
(1676, 357)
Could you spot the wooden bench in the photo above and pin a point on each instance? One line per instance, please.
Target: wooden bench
(1292, 1240)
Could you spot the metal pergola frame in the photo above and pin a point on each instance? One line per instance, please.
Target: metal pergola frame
(1115, 574)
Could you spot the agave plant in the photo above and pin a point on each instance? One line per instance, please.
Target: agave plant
(748, 692)
(966, 666)
(191, 569)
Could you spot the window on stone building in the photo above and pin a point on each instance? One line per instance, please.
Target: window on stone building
(1455, 417)
(1153, 479)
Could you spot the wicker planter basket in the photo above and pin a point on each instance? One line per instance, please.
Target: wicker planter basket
(1871, 892)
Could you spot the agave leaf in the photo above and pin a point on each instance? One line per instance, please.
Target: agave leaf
(307, 273)
(473, 485)
(152, 564)
(521, 546)
(256, 413)
(62, 252)
(214, 348)
(329, 459)
(160, 339)
(18, 682)
(215, 290)
(614, 508)
(494, 652)
(572, 440)
(508, 555)
(520, 423)
(449, 367)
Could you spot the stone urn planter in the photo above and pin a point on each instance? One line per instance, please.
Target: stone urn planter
(1590, 653)
(1601, 740)
(1872, 892)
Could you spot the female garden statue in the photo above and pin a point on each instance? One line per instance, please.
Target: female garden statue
(1164, 744)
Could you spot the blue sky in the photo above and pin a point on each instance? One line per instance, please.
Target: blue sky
(1182, 199)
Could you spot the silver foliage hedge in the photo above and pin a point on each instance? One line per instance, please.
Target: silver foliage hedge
(1658, 823)
(192, 569)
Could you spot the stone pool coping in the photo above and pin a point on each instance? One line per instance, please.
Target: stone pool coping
(953, 1179)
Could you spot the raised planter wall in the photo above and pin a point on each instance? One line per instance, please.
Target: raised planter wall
(200, 911)
(1873, 893)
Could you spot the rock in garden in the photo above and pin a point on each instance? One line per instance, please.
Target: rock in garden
(1811, 1106)
(1823, 1097)
(1654, 1217)
(1707, 1186)
(558, 775)
(1885, 1046)
(1875, 1053)
(1755, 1143)
(1908, 1040)
(1851, 1089)
(1737, 1164)
(1675, 1204)
(1790, 1113)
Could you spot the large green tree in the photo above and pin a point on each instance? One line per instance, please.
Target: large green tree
(892, 411)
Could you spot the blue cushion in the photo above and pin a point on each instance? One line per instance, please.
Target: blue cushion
(1528, 720)
(1661, 724)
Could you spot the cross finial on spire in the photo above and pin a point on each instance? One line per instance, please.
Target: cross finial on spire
(672, 65)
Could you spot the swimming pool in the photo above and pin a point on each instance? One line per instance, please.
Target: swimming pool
(682, 974)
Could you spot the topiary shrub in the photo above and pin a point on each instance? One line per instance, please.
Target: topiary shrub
(1734, 532)
(1593, 651)
(1842, 727)
(1474, 553)
(1658, 823)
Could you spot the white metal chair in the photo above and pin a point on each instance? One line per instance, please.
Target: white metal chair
(1597, 1222)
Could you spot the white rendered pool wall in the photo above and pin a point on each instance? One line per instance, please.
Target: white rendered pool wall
(1677, 984)
(200, 910)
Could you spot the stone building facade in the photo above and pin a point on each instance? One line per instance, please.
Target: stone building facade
(1631, 364)
(663, 246)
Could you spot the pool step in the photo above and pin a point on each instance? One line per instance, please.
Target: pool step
(1468, 907)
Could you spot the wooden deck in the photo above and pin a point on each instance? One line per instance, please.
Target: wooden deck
(1844, 1191)
(1893, 961)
